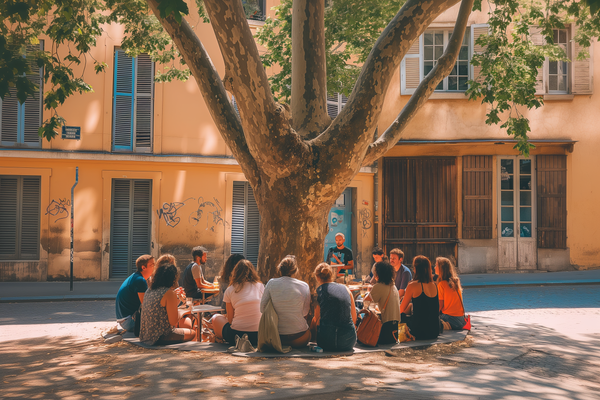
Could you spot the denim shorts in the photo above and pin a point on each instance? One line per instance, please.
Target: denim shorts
(456, 323)
(332, 338)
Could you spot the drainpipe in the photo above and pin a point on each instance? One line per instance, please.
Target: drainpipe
(72, 209)
(376, 203)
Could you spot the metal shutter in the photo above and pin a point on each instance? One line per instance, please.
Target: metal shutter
(32, 110)
(8, 217)
(245, 222)
(123, 101)
(130, 224)
(119, 227)
(20, 217)
(477, 197)
(30, 218)
(552, 202)
(144, 89)
(141, 219)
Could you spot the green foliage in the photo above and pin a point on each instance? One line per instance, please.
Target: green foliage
(73, 28)
(352, 27)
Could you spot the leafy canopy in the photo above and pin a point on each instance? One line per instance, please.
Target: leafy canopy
(508, 65)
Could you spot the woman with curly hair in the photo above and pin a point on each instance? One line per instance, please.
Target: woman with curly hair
(291, 301)
(450, 293)
(225, 276)
(421, 297)
(159, 308)
(242, 300)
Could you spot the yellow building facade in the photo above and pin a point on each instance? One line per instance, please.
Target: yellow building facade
(154, 176)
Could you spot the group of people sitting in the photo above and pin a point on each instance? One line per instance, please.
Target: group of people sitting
(422, 302)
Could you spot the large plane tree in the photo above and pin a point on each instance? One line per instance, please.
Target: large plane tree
(296, 158)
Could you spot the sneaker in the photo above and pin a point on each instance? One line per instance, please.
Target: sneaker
(115, 330)
(113, 339)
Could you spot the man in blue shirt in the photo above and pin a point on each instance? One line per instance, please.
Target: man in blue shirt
(403, 274)
(131, 294)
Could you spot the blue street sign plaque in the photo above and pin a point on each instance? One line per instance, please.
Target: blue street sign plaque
(71, 132)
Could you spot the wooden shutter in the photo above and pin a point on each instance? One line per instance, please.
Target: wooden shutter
(335, 104)
(538, 39)
(119, 228)
(9, 126)
(581, 76)
(552, 202)
(419, 206)
(411, 68)
(245, 222)
(8, 215)
(123, 101)
(144, 90)
(477, 197)
(32, 109)
(476, 31)
(141, 219)
(20, 217)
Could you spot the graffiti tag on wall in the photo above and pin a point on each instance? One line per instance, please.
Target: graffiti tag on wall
(364, 217)
(58, 208)
(211, 209)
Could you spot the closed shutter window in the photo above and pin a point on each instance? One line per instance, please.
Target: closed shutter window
(477, 197)
(245, 222)
(552, 201)
(20, 216)
(20, 123)
(133, 103)
(130, 224)
(335, 103)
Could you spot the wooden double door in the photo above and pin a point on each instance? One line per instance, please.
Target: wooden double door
(419, 206)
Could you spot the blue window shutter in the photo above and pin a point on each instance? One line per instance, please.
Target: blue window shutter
(124, 82)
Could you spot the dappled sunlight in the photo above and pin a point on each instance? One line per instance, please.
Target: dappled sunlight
(179, 185)
(92, 118)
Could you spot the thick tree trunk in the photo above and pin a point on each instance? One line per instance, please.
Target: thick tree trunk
(291, 225)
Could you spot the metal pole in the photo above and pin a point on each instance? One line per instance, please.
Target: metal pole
(72, 209)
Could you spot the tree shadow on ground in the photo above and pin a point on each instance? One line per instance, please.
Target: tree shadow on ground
(56, 312)
(546, 365)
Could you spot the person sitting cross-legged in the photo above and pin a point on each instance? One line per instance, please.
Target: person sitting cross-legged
(385, 294)
(242, 300)
(335, 314)
(160, 315)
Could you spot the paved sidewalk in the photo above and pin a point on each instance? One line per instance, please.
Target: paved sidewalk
(11, 292)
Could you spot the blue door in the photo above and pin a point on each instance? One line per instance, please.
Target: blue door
(340, 220)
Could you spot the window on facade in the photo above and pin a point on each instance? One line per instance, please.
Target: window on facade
(434, 44)
(563, 77)
(558, 70)
(20, 216)
(20, 122)
(133, 103)
(335, 103)
(245, 222)
(424, 53)
(255, 9)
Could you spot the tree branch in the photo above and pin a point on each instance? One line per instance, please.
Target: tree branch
(309, 69)
(353, 128)
(270, 137)
(212, 89)
(443, 67)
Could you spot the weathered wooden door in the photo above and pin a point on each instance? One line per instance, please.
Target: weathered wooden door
(517, 247)
(419, 206)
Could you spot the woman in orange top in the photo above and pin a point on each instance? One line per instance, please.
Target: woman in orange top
(450, 293)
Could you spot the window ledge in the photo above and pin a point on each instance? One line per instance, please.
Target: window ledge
(448, 95)
(559, 97)
(255, 22)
